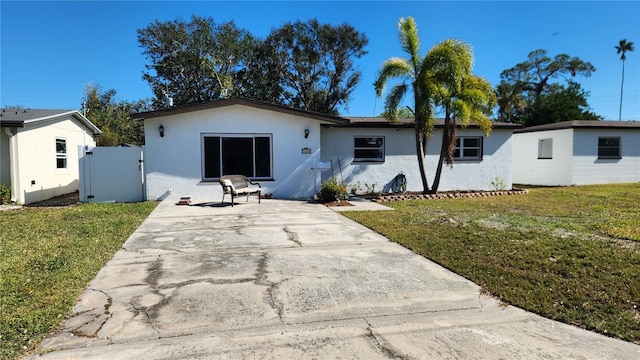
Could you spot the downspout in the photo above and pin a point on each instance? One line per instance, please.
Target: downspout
(13, 164)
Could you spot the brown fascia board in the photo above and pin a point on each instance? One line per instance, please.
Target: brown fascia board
(583, 124)
(237, 101)
(380, 122)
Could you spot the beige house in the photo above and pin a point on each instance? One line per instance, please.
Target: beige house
(39, 151)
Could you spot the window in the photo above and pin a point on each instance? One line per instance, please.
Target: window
(468, 148)
(609, 148)
(248, 155)
(545, 149)
(368, 149)
(61, 153)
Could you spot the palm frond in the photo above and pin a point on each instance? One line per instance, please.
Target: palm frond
(409, 39)
(392, 68)
(392, 102)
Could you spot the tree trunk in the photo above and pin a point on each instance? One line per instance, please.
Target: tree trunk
(621, 87)
(444, 149)
(420, 155)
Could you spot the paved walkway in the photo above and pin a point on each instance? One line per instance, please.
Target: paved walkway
(295, 280)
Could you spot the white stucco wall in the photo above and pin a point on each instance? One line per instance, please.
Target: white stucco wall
(5, 169)
(174, 162)
(34, 160)
(400, 156)
(529, 170)
(588, 169)
(575, 158)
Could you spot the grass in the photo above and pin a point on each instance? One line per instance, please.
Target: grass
(569, 254)
(48, 256)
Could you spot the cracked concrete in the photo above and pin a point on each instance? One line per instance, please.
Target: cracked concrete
(289, 279)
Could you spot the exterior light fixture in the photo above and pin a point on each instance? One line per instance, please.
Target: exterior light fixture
(161, 130)
(306, 133)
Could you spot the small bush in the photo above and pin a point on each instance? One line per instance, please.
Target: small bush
(5, 194)
(332, 190)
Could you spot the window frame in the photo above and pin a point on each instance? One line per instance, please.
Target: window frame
(602, 147)
(62, 156)
(381, 147)
(541, 153)
(221, 137)
(460, 147)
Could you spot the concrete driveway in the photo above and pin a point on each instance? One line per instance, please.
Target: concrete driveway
(295, 280)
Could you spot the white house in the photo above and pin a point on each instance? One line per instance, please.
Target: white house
(577, 153)
(289, 151)
(39, 151)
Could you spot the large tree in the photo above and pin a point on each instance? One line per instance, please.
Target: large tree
(442, 78)
(194, 61)
(559, 103)
(113, 117)
(623, 47)
(523, 86)
(306, 65)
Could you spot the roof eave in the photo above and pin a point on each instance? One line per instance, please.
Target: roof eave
(11, 123)
(183, 109)
(74, 113)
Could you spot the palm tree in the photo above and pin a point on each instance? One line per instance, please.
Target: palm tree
(440, 79)
(463, 96)
(510, 101)
(414, 76)
(623, 47)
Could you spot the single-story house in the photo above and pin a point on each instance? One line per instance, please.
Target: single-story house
(289, 151)
(39, 151)
(577, 152)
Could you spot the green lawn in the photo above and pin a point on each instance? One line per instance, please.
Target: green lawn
(47, 257)
(570, 254)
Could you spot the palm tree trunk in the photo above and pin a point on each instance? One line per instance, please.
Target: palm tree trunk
(420, 155)
(621, 87)
(444, 150)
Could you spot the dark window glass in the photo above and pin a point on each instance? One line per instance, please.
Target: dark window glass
(61, 154)
(468, 148)
(249, 156)
(211, 157)
(368, 149)
(237, 156)
(368, 142)
(263, 157)
(609, 147)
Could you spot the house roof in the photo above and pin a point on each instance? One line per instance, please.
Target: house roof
(22, 117)
(382, 122)
(379, 122)
(587, 124)
(237, 101)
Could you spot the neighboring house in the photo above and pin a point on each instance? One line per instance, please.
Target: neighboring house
(577, 153)
(289, 151)
(39, 151)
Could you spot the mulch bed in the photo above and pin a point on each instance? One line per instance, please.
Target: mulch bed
(338, 203)
(62, 200)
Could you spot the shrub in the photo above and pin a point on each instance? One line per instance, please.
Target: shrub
(332, 190)
(5, 194)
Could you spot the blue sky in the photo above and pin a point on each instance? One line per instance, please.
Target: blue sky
(51, 50)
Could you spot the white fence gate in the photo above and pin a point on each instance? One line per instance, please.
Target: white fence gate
(112, 174)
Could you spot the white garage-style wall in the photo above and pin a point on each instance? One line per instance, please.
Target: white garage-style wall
(589, 169)
(574, 159)
(529, 167)
(174, 163)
